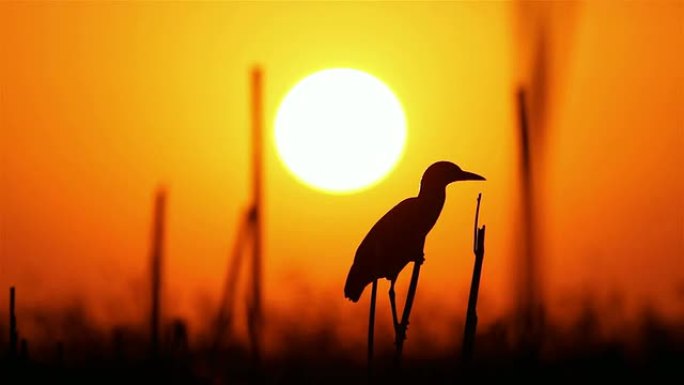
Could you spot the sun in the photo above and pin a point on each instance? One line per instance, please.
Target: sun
(340, 130)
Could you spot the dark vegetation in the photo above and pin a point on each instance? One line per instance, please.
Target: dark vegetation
(651, 352)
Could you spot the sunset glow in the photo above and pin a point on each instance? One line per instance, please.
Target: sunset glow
(103, 103)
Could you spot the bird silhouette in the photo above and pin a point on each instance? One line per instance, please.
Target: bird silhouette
(399, 236)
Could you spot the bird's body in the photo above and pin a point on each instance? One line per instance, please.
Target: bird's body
(394, 241)
(399, 236)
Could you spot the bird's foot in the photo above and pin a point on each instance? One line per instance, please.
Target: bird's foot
(400, 333)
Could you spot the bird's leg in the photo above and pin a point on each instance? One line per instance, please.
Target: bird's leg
(420, 258)
(371, 328)
(393, 304)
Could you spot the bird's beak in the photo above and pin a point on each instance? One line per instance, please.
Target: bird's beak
(465, 175)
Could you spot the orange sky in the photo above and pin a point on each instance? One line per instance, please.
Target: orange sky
(101, 102)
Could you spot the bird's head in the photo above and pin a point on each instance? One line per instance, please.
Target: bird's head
(440, 174)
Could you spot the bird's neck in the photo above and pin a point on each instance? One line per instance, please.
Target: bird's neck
(432, 200)
(432, 194)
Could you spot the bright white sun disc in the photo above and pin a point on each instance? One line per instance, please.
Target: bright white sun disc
(340, 130)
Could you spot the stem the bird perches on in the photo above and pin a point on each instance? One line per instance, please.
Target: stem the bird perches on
(471, 314)
(400, 332)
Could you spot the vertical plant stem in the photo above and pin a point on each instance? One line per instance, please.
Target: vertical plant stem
(14, 336)
(157, 259)
(529, 297)
(400, 334)
(471, 313)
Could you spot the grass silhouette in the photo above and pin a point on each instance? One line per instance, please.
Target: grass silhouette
(650, 350)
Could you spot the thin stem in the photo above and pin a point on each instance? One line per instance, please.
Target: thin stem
(14, 336)
(477, 217)
(401, 332)
(471, 313)
(393, 305)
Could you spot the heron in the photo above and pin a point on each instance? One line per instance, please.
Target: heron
(399, 236)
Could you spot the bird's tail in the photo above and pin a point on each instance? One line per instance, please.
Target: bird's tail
(355, 284)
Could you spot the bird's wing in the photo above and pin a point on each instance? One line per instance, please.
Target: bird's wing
(395, 236)
(391, 243)
(399, 225)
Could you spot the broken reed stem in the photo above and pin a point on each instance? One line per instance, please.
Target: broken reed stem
(400, 333)
(225, 316)
(471, 313)
(371, 328)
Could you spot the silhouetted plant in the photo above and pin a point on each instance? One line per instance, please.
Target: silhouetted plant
(471, 314)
